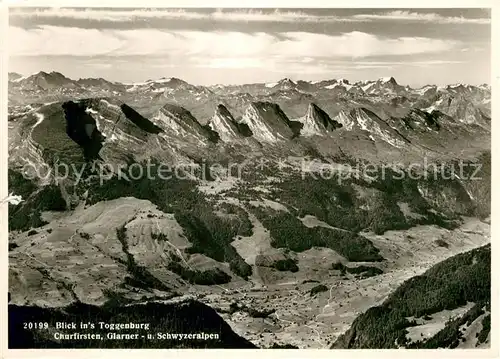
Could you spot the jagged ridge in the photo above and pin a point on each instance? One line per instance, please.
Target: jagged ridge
(177, 121)
(316, 121)
(269, 123)
(226, 126)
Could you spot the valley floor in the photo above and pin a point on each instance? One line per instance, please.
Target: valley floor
(316, 321)
(58, 264)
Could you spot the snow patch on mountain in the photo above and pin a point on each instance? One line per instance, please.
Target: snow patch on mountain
(360, 119)
(368, 86)
(346, 120)
(368, 124)
(91, 111)
(163, 80)
(39, 119)
(20, 79)
(109, 104)
(434, 106)
(425, 89)
(96, 116)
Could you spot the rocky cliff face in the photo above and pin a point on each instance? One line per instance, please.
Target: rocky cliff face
(269, 124)
(226, 126)
(317, 122)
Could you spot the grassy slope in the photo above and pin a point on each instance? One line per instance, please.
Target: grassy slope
(210, 233)
(448, 285)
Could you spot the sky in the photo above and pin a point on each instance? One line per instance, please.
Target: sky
(234, 46)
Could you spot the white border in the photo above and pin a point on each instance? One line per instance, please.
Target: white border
(367, 4)
(4, 235)
(493, 352)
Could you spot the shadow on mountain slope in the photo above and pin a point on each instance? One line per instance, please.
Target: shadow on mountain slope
(81, 127)
(189, 317)
(139, 120)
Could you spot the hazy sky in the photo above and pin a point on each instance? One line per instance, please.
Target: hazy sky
(210, 46)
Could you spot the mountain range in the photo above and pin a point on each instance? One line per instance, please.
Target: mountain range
(295, 207)
(385, 116)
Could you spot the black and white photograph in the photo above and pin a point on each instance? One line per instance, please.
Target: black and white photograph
(249, 178)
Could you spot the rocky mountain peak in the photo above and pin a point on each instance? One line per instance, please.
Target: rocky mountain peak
(316, 121)
(388, 80)
(178, 122)
(286, 84)
(14, 76)
(269, 123)
(224, 124)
